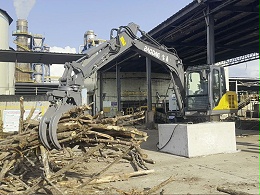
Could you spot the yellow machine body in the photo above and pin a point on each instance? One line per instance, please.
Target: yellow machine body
(228, 102)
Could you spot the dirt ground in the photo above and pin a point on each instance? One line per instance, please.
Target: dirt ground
(200, 175)
(237, 171)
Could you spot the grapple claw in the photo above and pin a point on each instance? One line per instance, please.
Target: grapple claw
(44, 125)
(67, 96)
(53, 126)
(49, 124)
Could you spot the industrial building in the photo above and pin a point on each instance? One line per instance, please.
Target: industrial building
(177, 73)
(205, 35)
(21, 79)
(7, 68)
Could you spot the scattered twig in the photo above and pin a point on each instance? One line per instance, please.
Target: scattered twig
(157, 187)
(105, 169)
(28, 168)
(54, 186)
(231, 191)
(7, 165)
(120, 177)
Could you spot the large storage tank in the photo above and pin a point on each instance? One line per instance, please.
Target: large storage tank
(6, 69)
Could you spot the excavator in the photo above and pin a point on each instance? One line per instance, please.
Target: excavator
(200, 90)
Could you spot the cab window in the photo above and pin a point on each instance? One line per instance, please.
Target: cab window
(216, 86)
(196, 84)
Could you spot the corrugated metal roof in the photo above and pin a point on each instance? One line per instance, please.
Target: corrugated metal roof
(236, 30)
(236, 33)
(187, 9)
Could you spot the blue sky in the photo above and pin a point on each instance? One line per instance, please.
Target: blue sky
(64, 22)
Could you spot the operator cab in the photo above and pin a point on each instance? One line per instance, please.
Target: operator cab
(206, 92)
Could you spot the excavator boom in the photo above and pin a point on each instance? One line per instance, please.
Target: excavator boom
(68, 94)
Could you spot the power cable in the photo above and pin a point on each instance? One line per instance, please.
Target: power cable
(157, 145)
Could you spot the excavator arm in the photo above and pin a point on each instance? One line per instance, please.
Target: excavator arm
(68, 95)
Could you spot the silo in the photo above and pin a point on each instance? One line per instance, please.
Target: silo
(89, 39)
(6, 69)
(23, 70)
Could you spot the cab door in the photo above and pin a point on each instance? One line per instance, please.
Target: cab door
(217, 86)
(221, 100)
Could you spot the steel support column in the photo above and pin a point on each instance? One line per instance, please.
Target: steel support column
(118, 87)
(149, 115)
(149, 84)
(210, 37)
(100, 90)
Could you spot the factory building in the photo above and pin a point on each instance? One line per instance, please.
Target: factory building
(26, 41)
(7, 69)
(177, 73)
(21, 79)
(13, 73)
(133, 85)
(32, 80)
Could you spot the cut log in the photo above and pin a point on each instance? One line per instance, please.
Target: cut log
(21, 122)
(45, 162)
(23, 154)
(120, 177)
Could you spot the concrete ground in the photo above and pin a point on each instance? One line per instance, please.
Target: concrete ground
(202, 175)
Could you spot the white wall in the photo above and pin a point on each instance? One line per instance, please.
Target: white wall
(133, 87)
(6, 69)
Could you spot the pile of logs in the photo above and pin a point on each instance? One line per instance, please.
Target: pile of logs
(28, 168)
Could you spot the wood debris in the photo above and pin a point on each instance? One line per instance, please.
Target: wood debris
(91, 146)
(231, 191)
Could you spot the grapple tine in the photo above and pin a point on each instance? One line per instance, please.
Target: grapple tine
(44, 124)
(53, 126)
